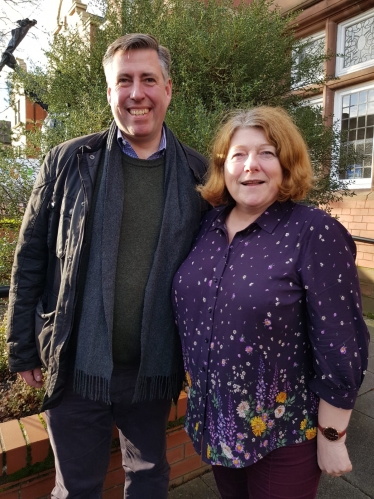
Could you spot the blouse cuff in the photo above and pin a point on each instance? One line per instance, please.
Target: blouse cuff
(342, 399)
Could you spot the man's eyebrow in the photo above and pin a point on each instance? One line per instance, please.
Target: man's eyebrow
(143, 75)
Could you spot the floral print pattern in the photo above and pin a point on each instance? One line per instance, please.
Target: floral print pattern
(268, 324)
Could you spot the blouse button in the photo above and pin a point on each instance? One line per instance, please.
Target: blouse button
(210, 310)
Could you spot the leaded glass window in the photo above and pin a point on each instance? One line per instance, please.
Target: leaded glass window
(359, 42)
(313, 47)
(355, 43)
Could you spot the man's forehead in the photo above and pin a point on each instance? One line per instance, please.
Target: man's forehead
(136, 56)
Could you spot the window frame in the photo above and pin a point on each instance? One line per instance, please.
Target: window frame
(354, 183)
(340, 70)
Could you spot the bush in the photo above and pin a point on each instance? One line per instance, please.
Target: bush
(16, 398)
(8, 241)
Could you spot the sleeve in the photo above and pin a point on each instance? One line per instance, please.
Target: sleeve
(336, 328)
(29, 273)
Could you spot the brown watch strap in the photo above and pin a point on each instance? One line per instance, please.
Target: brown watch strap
(331, 434)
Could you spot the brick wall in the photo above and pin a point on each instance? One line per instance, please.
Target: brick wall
(27, 458)
(357, 215)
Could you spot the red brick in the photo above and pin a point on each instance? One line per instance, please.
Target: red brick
(38, 488)
(175, 438)
(116, 493)
(14, 445)
(173, 412)
(182, 405)
(357, 226)
(115, 460)
(186, 466)
(114, 478)
(10, 494)
(115, 433)
(175, 454)
(38, 438)
(189, 450)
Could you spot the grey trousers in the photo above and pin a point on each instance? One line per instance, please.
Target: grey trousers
(80, 432)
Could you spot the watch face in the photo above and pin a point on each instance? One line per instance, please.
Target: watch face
(331, 434)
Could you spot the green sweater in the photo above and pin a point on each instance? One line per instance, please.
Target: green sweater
(141, 222)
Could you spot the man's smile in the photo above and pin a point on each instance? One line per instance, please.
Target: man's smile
(138, 112)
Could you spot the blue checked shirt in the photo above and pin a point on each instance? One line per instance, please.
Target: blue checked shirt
(127, 148)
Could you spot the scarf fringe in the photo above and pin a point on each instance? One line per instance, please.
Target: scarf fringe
(158, 387)
(93, 387)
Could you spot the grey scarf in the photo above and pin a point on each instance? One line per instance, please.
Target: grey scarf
(160, 372)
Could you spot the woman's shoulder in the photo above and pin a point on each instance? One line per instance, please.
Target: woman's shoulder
(318, 222)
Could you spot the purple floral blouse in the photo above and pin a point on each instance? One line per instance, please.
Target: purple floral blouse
(268, 324)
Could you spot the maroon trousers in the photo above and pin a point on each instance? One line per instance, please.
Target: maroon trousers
(290, 472)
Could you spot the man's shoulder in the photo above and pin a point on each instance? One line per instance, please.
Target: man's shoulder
(86, 143)
(198, 163)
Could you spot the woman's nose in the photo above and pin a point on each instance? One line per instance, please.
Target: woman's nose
(251, 163)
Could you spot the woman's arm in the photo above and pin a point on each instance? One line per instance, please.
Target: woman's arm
(333, 457)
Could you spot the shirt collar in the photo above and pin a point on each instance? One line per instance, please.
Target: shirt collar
(128, 149)
(268, 221)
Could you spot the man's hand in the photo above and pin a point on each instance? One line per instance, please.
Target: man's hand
(333, 457)
(33, 377)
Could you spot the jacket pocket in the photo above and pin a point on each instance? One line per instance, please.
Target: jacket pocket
(44, 323)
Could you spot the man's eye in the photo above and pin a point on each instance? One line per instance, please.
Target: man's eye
(150, 80)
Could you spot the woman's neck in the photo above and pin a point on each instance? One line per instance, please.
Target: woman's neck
(238, 220)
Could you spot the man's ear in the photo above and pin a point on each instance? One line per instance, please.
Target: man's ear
(108, 95)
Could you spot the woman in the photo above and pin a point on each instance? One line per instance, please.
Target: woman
(269, 313)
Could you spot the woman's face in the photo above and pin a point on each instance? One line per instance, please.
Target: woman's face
(252, 171)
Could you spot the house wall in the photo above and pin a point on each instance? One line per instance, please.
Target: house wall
(355, 213)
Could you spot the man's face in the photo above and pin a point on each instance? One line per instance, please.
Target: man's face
(138, 95)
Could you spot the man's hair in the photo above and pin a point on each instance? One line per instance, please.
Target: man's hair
(136, 41)
(282, 133)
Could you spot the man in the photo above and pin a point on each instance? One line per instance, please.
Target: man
(111, 217)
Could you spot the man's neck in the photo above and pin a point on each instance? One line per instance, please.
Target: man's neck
(145, 149)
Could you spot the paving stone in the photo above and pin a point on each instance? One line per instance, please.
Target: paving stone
(368, 383)
(360, 440)
(209, 480)
(338, 488)
(365, 404)
(194, 489)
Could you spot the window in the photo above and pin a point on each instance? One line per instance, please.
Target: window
(312, 46)
(354, 108)
(356, 44)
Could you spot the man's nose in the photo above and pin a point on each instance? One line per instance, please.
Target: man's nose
(137, 91)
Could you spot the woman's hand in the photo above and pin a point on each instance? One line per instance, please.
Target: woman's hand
(333, 457)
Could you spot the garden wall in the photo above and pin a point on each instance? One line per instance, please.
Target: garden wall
(357, 215)
(27, 461)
